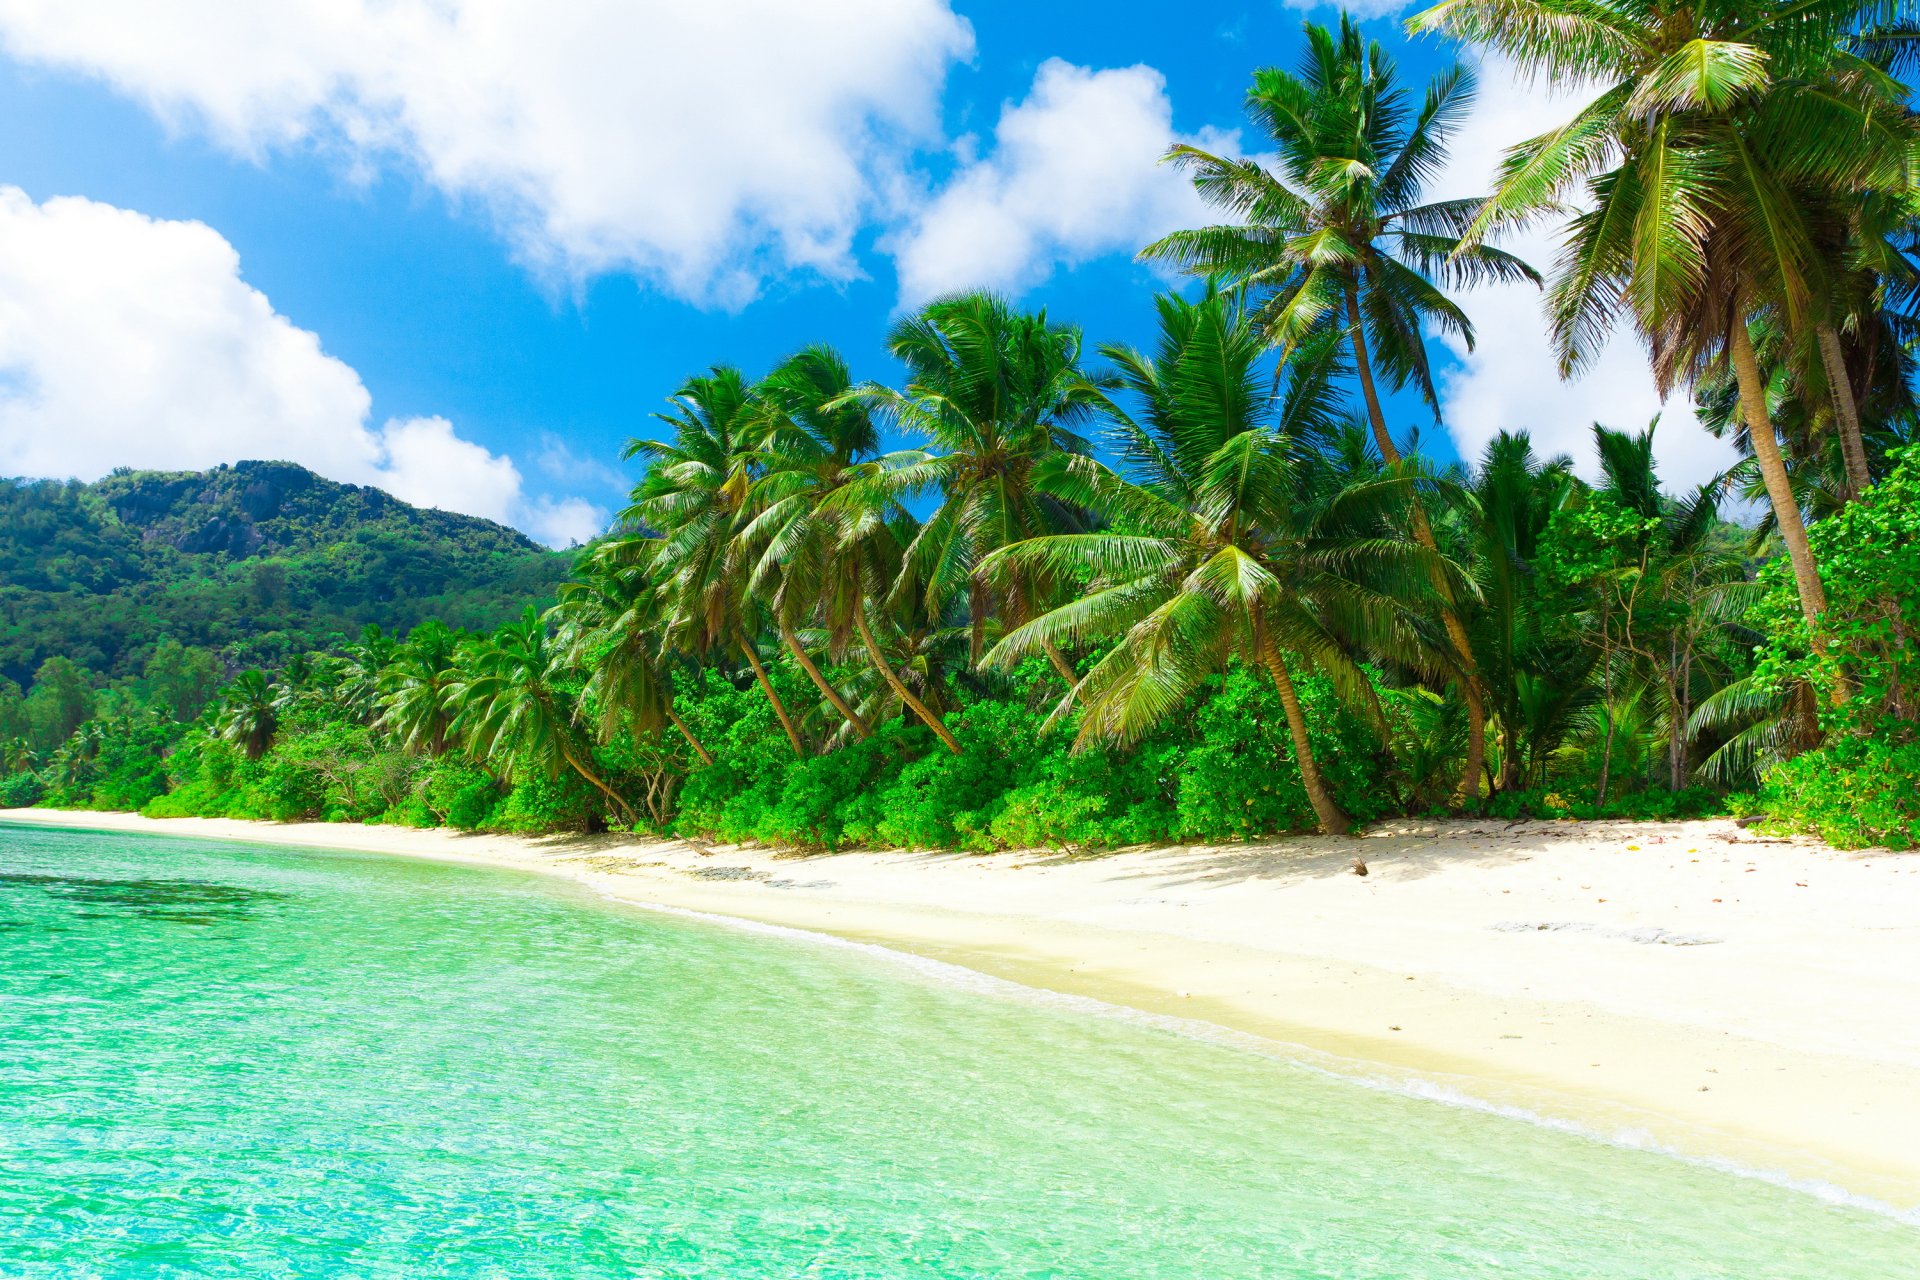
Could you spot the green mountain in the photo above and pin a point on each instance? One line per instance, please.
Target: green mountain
(257, 560)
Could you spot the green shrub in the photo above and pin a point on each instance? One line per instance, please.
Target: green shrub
(21, 790)
(1853, 793)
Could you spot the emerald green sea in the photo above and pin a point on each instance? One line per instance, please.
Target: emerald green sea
(238, 1061)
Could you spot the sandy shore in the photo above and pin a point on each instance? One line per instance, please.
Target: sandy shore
(1689, 985)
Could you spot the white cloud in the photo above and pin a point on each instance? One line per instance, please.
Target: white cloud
(133, 341)
(702, 144)
(1509, 382)
(1074, 173)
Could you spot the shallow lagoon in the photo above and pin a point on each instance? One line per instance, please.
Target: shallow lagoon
(227, 1060)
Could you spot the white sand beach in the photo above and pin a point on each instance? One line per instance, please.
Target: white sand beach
(1719, 993)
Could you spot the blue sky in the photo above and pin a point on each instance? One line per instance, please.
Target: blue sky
(501, 302)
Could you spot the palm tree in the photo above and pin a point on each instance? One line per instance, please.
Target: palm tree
(610, 627)
(874, 548)
(994, 393)
(816, 439)
(1336, 237)
(1229, 544)
(249, 714)
(1725, 137)
(366, 664)
(696, 493)
(413, 685)
(515, 710)
(1507, 507)
(16, 756)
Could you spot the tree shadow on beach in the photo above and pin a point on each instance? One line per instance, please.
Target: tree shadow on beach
(1407, 849)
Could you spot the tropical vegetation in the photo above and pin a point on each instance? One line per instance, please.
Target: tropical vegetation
(1041, 591)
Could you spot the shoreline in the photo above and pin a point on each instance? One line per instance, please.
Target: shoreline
(1683, 986)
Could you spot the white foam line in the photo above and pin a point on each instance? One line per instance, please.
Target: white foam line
(1332, 1066)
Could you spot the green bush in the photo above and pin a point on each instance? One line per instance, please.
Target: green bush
(457, 793)
(1853, 793)
(21, 790)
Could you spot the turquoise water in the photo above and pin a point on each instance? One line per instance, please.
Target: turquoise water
(232, 1061)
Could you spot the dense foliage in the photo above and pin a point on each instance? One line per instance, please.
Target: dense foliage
(1199, 592)
(255, 562)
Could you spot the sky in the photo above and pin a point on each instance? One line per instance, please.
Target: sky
(463, 249)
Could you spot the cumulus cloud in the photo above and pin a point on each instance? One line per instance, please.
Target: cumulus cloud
(702, 144)
(133, 341)
(1509, 382)
(1074, 174)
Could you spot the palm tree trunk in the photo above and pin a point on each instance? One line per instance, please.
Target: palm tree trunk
(1773, 469)
(1468, 788)
(1509, 759)
(766, 687)
(1853, 446)
(821, 683)
(894, 682)
(705, 756)
(573, 761)
(1063, 668)
(1333, 820)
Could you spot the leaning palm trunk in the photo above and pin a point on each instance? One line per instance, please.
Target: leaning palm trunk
(574, 762)
(1853, 446)
(1333, 820)
(821, 683)
(1063, 668)
(1773, 469)
(706, 757)
(1468, 788)
(766, 687)
(898, 686)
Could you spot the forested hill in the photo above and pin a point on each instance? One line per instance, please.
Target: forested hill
(256, 560)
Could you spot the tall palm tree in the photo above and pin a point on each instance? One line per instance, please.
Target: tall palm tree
(249, 715)
(1336, 237)
(1226, 543)
(1724, 137)
(993, 392)
(874, 549)
(358, 693)
(515, 710)
(16, 756)
(1508, 505)
(696, 494)
(414, 683)
(611, 628)
(816, 439)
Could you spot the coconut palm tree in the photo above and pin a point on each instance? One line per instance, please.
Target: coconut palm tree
(413, 685)
(16, 756)
(816, 439)
(874, 549)
(993, 392)
(1725, 136)
(249, 715)
(1336, 237)
(610, 624)
(696, 494)
(1525, 658)
(1226, 543)
(358, 692)
(515, 710)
